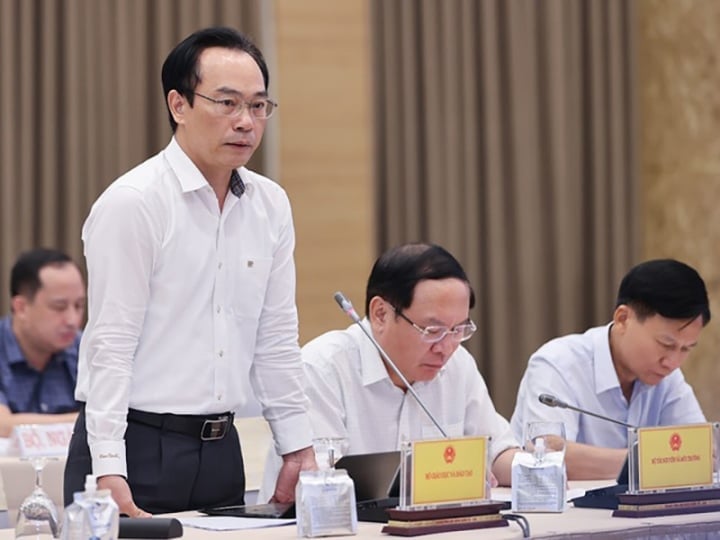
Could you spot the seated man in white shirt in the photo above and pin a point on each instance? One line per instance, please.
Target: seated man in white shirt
(627, 370)
(417, 304)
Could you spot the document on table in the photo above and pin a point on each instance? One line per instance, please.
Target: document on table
(222, 523)
(507, 497)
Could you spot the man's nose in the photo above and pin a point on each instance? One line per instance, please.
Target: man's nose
(447, 345)
(244, 120)
(673, 360)
(73, 316)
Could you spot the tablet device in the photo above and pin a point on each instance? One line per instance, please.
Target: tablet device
(605, 497)
(623, 477)
(267, 511)
(373, 474)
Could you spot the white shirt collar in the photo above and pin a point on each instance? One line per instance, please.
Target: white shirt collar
(187, 173)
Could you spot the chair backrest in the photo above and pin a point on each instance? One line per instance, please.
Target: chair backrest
(18, 476)
(255, 439)
(4, 517)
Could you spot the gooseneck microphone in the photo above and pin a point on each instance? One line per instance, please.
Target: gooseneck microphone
(552, 401)
(347, 307)
(605, 497)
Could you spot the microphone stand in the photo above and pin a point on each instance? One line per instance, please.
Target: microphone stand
(605, 497)
(552, 401)
(347, 307)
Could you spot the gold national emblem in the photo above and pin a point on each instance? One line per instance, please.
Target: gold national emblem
(675, 442)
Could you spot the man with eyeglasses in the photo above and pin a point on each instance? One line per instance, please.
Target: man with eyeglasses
(191, 300)
(627, 370)
(417, 306)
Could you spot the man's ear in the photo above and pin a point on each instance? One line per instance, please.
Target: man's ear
(621, 316)
(18, 303)
(378, 312)
(177, 104)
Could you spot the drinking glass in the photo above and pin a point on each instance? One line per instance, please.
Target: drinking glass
(328, 450)
(552, 434)
(37, 516)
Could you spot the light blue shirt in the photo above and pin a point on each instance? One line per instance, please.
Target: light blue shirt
(579, 370)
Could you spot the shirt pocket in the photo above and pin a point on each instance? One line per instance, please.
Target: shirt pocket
(249, 285)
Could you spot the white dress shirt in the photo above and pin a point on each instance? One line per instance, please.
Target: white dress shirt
(351, 395)
(579, 370)
(190, 308)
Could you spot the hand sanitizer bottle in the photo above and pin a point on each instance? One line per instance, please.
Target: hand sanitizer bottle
(93, 515)
(76, 523)
(539, 452)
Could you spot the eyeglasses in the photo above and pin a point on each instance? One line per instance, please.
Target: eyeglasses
(233, 107)
(435, 334)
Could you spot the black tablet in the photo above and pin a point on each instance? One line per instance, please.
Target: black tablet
(267, 511)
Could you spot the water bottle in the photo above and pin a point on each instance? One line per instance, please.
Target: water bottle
(76, 525)
(104, 516)
(93, 515)
(539, 451)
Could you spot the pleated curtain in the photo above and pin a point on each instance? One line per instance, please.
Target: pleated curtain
(506, 132)
(81, 102)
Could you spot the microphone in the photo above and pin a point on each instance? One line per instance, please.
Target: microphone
(552, 401)
(155, 527)
(347, 307)
(605, 497)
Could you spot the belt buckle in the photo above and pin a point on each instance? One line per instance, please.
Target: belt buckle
(212, 430)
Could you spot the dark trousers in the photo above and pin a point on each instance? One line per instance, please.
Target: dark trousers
(167, 471)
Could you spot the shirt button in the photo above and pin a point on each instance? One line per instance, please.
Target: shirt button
(44, 407)
(220, 354)
(219, 265)
(219, 397)
(218, 309)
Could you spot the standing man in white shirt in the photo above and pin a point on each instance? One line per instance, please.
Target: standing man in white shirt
(191, 282)
(628, 370)
(418, 302)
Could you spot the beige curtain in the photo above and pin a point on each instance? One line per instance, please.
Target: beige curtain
(81, 102)
(506, 133)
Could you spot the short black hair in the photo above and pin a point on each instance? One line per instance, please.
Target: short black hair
(25, 273)
(180, 69)
(396, 273)
(665, 287)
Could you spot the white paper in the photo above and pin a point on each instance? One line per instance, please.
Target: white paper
(506, 496)
(222, 523)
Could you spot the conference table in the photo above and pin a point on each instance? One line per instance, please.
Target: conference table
(573, 523)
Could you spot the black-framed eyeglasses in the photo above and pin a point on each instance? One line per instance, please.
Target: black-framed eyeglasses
(435, 334)
(232, 107)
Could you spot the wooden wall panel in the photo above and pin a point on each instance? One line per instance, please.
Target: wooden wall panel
(322, 81)
(678, 55)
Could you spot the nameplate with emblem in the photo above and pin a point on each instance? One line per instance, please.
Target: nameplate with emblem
(447, 471)
(675, 457)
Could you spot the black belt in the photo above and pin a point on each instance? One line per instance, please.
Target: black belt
(206, 428)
